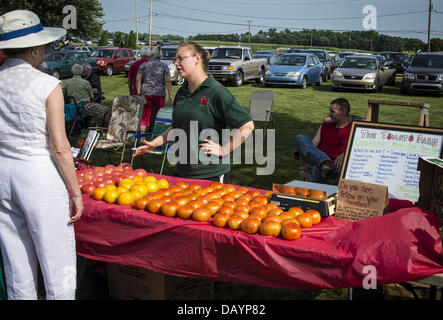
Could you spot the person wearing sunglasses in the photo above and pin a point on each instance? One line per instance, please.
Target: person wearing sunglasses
(203, 106)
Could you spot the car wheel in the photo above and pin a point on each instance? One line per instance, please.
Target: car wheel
(109, 70)
(304, 83)
(56, 74)
(320, 80)
(238, 79)
(261, 76)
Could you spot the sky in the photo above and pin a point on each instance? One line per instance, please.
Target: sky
(403, 18)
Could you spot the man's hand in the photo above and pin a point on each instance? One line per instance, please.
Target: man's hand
(339, 160)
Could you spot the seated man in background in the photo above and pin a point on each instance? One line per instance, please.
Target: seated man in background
(95, 113)
(94, 80)
(325, 152)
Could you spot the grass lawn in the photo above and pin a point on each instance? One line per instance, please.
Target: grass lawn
(295, 111)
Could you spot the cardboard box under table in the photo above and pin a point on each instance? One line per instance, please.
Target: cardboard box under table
(134, 283)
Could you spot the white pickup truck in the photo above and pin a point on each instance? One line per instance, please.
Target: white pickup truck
(236, 64)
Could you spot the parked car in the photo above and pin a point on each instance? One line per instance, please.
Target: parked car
(128, 65)
(112, 60)
(323, 56)
(210, 49)
(271, 56)
(60, 62)
(167, 56)
(236, 64)
(338, 58)
(399, 60)
(88, 50)
(362, 72)
(295, 69)
(424, 74)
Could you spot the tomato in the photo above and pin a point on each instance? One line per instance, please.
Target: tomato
(141, 203)
(253, 193)
(296, 210)
(169, 208)
(270, 206)
(315, 215)
(256, 216)
(229, 188)
(287, 215)
(99, 193)
(142, 188)
(274, 212)
(259, 211)
(302, 192)
(270, 228)
(126, 198)
(149, 179)
(152, 186)
(244, 208)
(228, 198)
(240, 213)
(216, 185)
(234, 222)
(203, 199)
(201, 214)
(185, 212)
(110, 196)
(243, 191)
(154, 205)
(269, 195)
(128, 174)
(250, 225)
(195, 187)
(236, 194)
(290, 220)
(291, 231)
(162, 184)
(218, 200)
(213, 207)
(226, 210)
(110, 187)
(305, 220)
(242, 202)
(273, 218)
(317, 194)
(230, 204)
(182, 185)
(195, 204)
(181, 200)
(80, 173)
(108, 181)
(261, 199)
(88, 188)
(220, 219)
(254, 204)
(140, 173)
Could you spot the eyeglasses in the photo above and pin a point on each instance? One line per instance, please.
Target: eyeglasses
(180, 58)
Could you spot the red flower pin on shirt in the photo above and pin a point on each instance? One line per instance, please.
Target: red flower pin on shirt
(204, 100)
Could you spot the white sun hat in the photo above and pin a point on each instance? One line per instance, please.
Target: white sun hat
(22, 29)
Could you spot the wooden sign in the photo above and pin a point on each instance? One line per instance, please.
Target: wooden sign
(359, 200)
(387, 154)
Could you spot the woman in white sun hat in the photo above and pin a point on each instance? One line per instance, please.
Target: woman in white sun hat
(37, 168)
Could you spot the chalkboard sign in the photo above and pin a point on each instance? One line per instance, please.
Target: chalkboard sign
(387, 154)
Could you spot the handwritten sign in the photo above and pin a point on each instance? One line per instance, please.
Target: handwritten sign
(387, 154)
(359, 200)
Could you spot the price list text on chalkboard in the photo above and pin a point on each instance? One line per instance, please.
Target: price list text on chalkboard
(387, 154)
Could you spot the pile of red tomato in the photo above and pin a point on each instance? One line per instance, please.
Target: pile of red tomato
(227, 206)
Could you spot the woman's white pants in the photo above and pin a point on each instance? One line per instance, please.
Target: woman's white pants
(34, 215)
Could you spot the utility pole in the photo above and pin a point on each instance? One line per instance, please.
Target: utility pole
(150, 23)
(136, 22)
(429, 26)
(249, 35)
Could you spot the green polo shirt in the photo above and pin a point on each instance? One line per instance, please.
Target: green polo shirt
(210, 112)
(79, 88)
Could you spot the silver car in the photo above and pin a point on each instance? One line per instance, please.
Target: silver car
(362, 72)
(167, 56)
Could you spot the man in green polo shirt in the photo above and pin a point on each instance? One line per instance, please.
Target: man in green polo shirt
(78, 87)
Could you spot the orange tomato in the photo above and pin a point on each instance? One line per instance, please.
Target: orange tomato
(253, 193)
(182, 184)
(270, 228)
(290, 220)
(287, 215)
(315, 215)
(195, 187)
(261, 199)
(169, 208)
(218, 200)
(195, 204)
(162, 184)
(230, 204)
(273, 218)
(126, 198)
(244, 208)
(242, 214)
(185, 212)
(242, 202)
(274, 212)
(250, 225)
(296, 210)
(291, 231)
(99, 193)
(305, 220)
(152, 186)
(243, 190)
(228, 188)
(141, 203)
(220, 220)
(234, 222)
(203, 199)
(216, 185)
(226, 210)
(201, 214)
(317, 194)
(270, 206)
(258, 210)
(302, 192)
(235, 194)
(154, 205)
(213, 207)
(268, 195)
(254, 204)
(256, 216)
(181, 200)
(228, 197)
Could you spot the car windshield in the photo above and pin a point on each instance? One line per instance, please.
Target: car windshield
(103, 53)
(396, 56)
(290, 60)
(55, 57)
(168, 53)
(320, 55)
(358, 63)
(428, 61)
(228, 53)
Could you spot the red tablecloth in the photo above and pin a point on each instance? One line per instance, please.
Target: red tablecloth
(403, 245)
